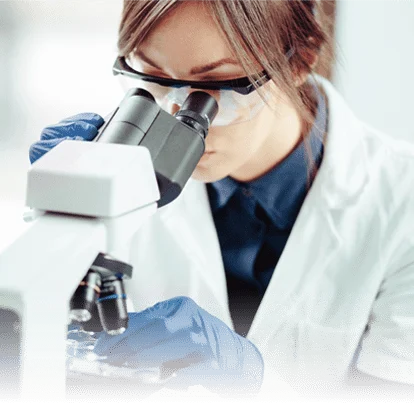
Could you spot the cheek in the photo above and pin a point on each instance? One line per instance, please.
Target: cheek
(229, 139)
(233, 146)
(234, 143)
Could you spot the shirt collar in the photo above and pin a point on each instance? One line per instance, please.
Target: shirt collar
(281, 191)
(223, 190)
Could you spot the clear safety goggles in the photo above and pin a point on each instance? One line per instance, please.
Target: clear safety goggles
(237, 100)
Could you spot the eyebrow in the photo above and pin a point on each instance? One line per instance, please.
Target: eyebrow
(194, 71)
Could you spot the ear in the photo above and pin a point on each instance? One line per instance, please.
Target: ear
(311, 58)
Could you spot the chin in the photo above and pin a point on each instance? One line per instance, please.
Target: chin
(207, 175)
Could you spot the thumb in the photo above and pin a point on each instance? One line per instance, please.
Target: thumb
(198, 374)
(38, 149)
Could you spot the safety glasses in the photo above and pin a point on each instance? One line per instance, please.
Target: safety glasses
(243, 86)
(238, 102)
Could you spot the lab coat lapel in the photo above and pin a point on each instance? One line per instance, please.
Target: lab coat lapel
(297, 267)
(315, 240)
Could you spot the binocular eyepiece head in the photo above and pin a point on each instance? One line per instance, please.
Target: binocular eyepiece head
(198, 110)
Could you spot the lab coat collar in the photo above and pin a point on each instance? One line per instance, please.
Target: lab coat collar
(344, 170)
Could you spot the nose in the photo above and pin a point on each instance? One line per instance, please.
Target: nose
(174, 108)
(170, 108)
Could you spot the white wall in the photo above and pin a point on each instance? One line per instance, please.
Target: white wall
(56, 61)
(376, 68)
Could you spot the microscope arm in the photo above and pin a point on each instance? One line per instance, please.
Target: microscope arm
(43, 267)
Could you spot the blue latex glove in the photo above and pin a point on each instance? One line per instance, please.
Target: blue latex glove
(182, 338)
(81, 127)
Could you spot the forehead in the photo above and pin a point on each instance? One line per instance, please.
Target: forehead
(187, 36)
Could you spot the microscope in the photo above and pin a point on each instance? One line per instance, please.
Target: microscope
(69, 266)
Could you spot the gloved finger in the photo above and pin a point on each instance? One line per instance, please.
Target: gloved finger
(150, 326)
(179, 351)
(179, 313)
(127, 341)
(208, 375)
(197, 374)
(80, 129)
(89, 118)
(171, 319)
(38, 149)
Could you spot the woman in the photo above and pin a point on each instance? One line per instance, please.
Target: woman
(294, 230)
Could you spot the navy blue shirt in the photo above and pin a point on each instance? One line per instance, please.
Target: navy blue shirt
(254, 220)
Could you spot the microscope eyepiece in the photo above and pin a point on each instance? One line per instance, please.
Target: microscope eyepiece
(136, 91)
(198, 111)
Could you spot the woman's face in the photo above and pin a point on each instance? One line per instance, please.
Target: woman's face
(187, 38)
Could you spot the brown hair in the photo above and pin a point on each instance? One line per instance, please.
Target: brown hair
(258, 32)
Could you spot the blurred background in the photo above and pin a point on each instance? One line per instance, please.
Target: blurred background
(56, 59)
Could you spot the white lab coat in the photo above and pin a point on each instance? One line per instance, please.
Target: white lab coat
(342, 293)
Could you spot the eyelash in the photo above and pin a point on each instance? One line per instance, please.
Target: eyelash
(204, 78)
(165, 76)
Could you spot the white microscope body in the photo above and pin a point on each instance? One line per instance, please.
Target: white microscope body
(92, 198)
(109, 190)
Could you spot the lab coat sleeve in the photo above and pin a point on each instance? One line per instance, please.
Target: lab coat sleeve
(274, 387)
(387, 348)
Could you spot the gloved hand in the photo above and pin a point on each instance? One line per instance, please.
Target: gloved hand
(182, 338)
(81, 127)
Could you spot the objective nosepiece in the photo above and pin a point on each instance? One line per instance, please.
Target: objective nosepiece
(83, 300)
(112, 306)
